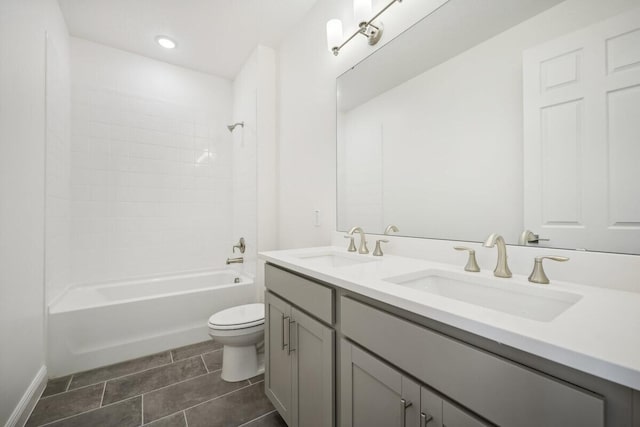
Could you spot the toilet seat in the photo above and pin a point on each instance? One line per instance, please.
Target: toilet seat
(239, 317)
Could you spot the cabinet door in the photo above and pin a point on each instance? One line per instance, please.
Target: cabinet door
(430, 409)
(373, 393)
(455, 417)
(313, 371)
(278, 367)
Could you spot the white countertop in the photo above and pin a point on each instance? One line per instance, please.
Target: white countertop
(600, 334)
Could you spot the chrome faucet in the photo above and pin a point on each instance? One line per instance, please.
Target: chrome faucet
(238, 260)
(363, 240)
(502, 269)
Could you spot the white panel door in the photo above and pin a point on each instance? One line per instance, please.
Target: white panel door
(582, 137)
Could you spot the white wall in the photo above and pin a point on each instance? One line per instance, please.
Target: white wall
(307, 118)
(58, 164)
(22, 197)
(307, 115)
(245, 160)
(254, 160)
(151, 166)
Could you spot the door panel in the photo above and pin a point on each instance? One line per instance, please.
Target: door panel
(431, 407)
(454, 417)
(581, 103)
(312, 347)
(373, 393)
(278, 369)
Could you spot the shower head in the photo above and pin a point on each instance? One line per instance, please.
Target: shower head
(233, 126)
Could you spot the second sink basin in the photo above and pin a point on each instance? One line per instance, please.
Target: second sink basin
(528, 301)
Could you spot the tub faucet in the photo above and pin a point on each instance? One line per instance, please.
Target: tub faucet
(502, 269)
(238, 260)
(363, 240)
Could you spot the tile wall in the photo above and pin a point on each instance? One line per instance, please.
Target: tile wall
(151, 169)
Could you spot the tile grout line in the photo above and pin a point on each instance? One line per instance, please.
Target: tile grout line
(63, 392)
(204, 363)
(86, 412)
(257, 381)
(257, 418)
(67, 390)
(212, 351)
(181, 381)
(104, 389)
(216, 398)
(168, 385)
(123, 376)
(115, 378)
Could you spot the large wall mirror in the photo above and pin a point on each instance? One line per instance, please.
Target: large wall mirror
(499, 116)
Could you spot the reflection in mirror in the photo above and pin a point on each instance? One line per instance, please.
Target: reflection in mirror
(501, 117)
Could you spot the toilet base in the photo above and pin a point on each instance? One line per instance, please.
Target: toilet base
(241, 363)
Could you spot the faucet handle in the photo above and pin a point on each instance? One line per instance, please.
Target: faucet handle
(240, 245)
(538, 275)
(352, 245)
(528, 237)
(378, 250)
(472, 264)
(391, 228)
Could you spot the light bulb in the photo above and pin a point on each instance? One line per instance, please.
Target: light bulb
(166, 42)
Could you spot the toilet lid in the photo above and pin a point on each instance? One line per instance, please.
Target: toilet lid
(239, 317)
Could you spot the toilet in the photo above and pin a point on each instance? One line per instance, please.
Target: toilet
(240, 330)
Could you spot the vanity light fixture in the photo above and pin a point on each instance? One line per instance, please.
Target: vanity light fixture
(166, 42)
(370, 28)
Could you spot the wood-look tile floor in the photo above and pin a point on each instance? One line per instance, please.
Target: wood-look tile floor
(176, 388)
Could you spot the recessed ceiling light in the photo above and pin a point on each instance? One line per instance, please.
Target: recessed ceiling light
(166, 42)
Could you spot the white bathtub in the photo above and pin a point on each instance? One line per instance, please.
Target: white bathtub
(96, 325)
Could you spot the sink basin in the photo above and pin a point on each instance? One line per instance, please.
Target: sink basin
(523, 300)
(334, 259)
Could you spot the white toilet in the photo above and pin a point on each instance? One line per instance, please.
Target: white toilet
(241, 330)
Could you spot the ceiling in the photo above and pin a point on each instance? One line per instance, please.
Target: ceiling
(213, 36)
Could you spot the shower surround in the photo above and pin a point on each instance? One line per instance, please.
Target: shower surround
(151, 167)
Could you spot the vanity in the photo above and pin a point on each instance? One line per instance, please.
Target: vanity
(357, 340)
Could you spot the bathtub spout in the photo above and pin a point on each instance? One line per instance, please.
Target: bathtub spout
(238, 260)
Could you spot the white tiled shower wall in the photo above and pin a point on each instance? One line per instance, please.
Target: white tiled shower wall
(151, 166)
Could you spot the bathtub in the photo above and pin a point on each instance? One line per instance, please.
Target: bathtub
(96, 325)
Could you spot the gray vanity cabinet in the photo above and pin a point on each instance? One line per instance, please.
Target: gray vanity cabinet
(499, 390)
(312, 347)
(455, 417)
(278, 368)
(299, 364)
(438, 412)
(375, 394)
(399, 369)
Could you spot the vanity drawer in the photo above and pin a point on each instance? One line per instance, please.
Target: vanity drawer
(312, 297)
(503, 392)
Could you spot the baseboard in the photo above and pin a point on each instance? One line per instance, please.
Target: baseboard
(29, 399)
